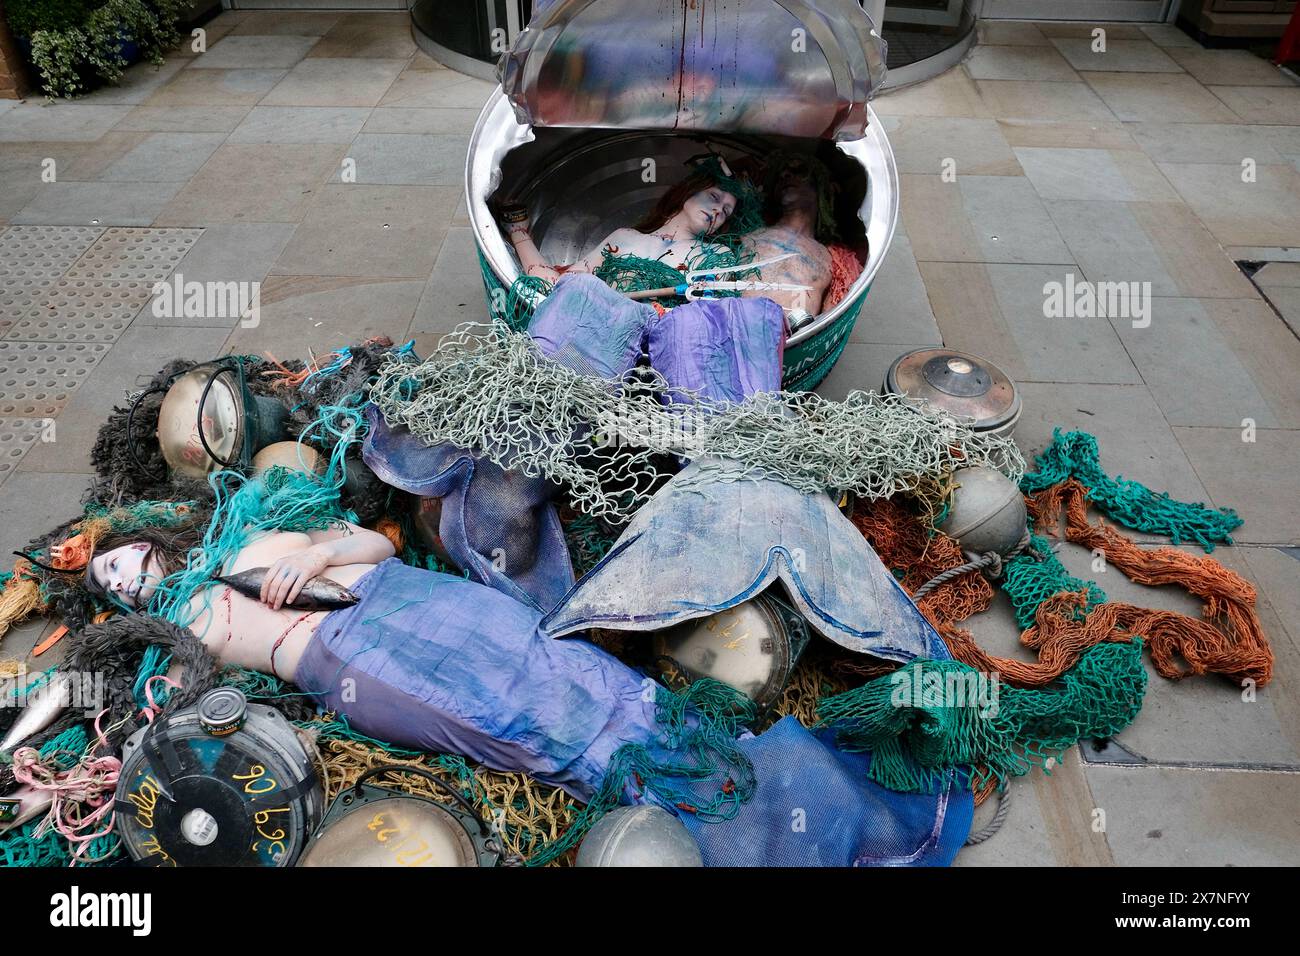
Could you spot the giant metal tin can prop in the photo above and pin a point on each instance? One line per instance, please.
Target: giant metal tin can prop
(724, 73)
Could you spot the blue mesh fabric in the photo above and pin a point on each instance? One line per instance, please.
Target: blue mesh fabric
(814, 806)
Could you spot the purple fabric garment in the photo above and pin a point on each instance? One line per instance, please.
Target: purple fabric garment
(437, 663)
(499, 526)
(723, 349)
(588, 327)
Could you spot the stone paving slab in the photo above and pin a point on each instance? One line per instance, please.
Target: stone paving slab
(454, 292)
(862, 367)
(254, 52)
(1135, 439)
(999, 311)
(300, 124)
(82, 310)
(1191, 367)
(305, 314)
(335, 82)
(1050, 823)
(164, 158)
(1172, 817)
(1120, 56)
(1256, 478)
(898, 308)
(17, 435)
(227, 252)
(251, 183)
(408, 159)
(95, 204)
(49, 500)
(1207, 720)
(34, 121)
(134, 255)
(39, 378)
(368, 230)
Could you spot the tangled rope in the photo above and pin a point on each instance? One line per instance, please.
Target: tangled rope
(81, 796)
(1075, 455)
(489, 389)
(1087, 680)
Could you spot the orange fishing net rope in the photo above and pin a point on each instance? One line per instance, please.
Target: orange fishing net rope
(1229, 640)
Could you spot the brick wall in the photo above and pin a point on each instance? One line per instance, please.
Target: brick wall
(14, 83)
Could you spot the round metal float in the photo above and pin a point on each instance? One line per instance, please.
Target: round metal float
(288, 454)
(752, 647)
(986, 511)
(639, 836)
(961, 384)
(598, 112)
(370, 825)
(222, 783)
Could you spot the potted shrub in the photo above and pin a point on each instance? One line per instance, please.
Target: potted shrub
(77, 45)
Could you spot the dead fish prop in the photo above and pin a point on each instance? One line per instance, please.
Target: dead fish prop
(318, 594)
(44, 704)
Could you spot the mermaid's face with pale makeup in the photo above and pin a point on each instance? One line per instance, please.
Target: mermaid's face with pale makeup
(708, 209)
(128, 574)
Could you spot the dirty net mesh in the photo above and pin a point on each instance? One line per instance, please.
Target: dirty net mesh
(489, 389)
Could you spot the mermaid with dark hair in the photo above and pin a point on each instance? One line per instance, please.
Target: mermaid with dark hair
(424, 659)
(686, 221)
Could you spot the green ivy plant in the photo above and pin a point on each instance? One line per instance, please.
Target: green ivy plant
(77, 44)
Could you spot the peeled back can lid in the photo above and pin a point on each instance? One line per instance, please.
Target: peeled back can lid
(221, 711)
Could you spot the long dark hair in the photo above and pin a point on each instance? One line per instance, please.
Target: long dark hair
(170, 546)
(672, 201)
(824, 228)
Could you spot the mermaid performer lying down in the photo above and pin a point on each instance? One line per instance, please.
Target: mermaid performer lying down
(788, 233)
(423, 660)
(673, 233)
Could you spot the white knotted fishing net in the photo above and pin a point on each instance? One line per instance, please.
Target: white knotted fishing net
(489, 389)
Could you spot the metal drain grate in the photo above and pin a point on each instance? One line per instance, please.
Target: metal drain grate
(38, 378)
(17, 435)
(135, 255)
(82, 310)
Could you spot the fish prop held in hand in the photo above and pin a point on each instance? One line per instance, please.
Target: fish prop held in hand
(318, 594)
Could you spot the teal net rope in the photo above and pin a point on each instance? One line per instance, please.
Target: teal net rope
(930, 716)
(1075, 455)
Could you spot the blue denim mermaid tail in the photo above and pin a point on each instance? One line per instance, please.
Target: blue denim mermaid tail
(707, 542)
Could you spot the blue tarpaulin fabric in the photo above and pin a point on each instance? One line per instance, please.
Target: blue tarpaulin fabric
(434, 662)
(703, 544)
(814, 806)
